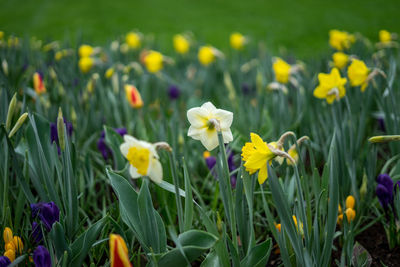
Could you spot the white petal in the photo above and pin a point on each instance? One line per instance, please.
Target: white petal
(196, 133)
(208, 106)
(224, 117)
(209, 140)
(130, 139)
(227, 136)
(197, 117)
(155, 171)
(124, 147)
(133, 172)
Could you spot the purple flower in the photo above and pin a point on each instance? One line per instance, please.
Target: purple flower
(4, 261)
(41, 257)
(246, 89)
(384, 190)
(101, 143)
(173, 92)
(37, 235)
(381, 124)
(48, 213)
(211, 161)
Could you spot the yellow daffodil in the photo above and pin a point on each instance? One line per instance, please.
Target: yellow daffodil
(385, 36)
(153, 61)
(133, 96)
(206, 121)
(281, 70)
(256, 155)
(340, 40)
(237, 41)
(358, 74)
(109, 73)
(331, 86)
(206, 55)
(86, 64)
(85, 50)
(340, 60)
(38, 84)
(143, 159)
(118, 252)
(181, 44)
(132, 39)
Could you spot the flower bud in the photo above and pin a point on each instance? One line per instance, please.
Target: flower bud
(18, 125)
(11, 110)
(384, 138)
(60, 129)
(19, 246)
(350, 202)
(350, 214)
(4, 65)
(7, 235)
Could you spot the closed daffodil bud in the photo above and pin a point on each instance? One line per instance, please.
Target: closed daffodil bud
(18, 125)
(11, 110)
(60, 129)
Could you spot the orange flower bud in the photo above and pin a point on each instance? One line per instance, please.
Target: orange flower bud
(118, 252)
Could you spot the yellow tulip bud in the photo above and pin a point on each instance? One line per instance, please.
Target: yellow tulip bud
(350, 202)
(7, 235)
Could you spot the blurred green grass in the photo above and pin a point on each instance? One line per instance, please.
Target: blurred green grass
(300, 26)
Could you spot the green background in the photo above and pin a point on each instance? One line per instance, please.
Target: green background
(300, 26)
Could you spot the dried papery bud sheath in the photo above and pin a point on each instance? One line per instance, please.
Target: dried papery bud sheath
(18, 125)
(60, 129)
(384, 138)
(163, 145)
(283, 137)
(281, 153)
(11, 110)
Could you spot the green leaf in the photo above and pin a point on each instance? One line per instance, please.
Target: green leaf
(211, 260)
(258, 255)
(57, 234)
(84, 242)
(194, 243)
(113, 141)
(188, 219)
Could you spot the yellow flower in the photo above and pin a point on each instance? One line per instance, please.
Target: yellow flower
(1, 35)
(331, 86)
(281, 70)
(358, 74)
(38, 84)
(181, 44)
(59, 55)
(384, 36)
(86, 64)
(132, 39)
(109, 73)
(153, 61)
(237, 41)
(350, 214)
(340, 40)
(340, 60)
(19, 246)
(10, 254)
(206, 55)
(143, 159)
(118, 252)
(204, 124)
(256, 155)
(85, 51)
(7, 235)
(293, 153)
(350, 202)
(133, 96)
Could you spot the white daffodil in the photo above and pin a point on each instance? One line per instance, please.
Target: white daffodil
(206, 121)
(143, 158)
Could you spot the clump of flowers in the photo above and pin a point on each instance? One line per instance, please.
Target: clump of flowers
(48, 213)
(340, 40)
(181, 44)
(86, 57)
(237, 41)
(350, 210)
(331, 86)
(13, 245)
(205, 123)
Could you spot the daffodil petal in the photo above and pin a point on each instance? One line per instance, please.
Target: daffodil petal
(227, 136)
(155, 171)
(209, 140)
(133, 172)
(224, 117)
(198, 117)
(263, 174)
(209, 107)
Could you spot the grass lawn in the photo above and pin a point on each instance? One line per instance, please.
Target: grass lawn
(301, 26)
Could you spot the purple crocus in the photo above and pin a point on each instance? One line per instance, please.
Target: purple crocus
(41, 257)
(101, 143)
(54, 132)
(4, 261)
(173, 92)
(37, 235)
(48, 213)
(384, 190)
(211, 161)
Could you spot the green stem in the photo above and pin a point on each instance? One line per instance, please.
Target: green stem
(177, 196)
